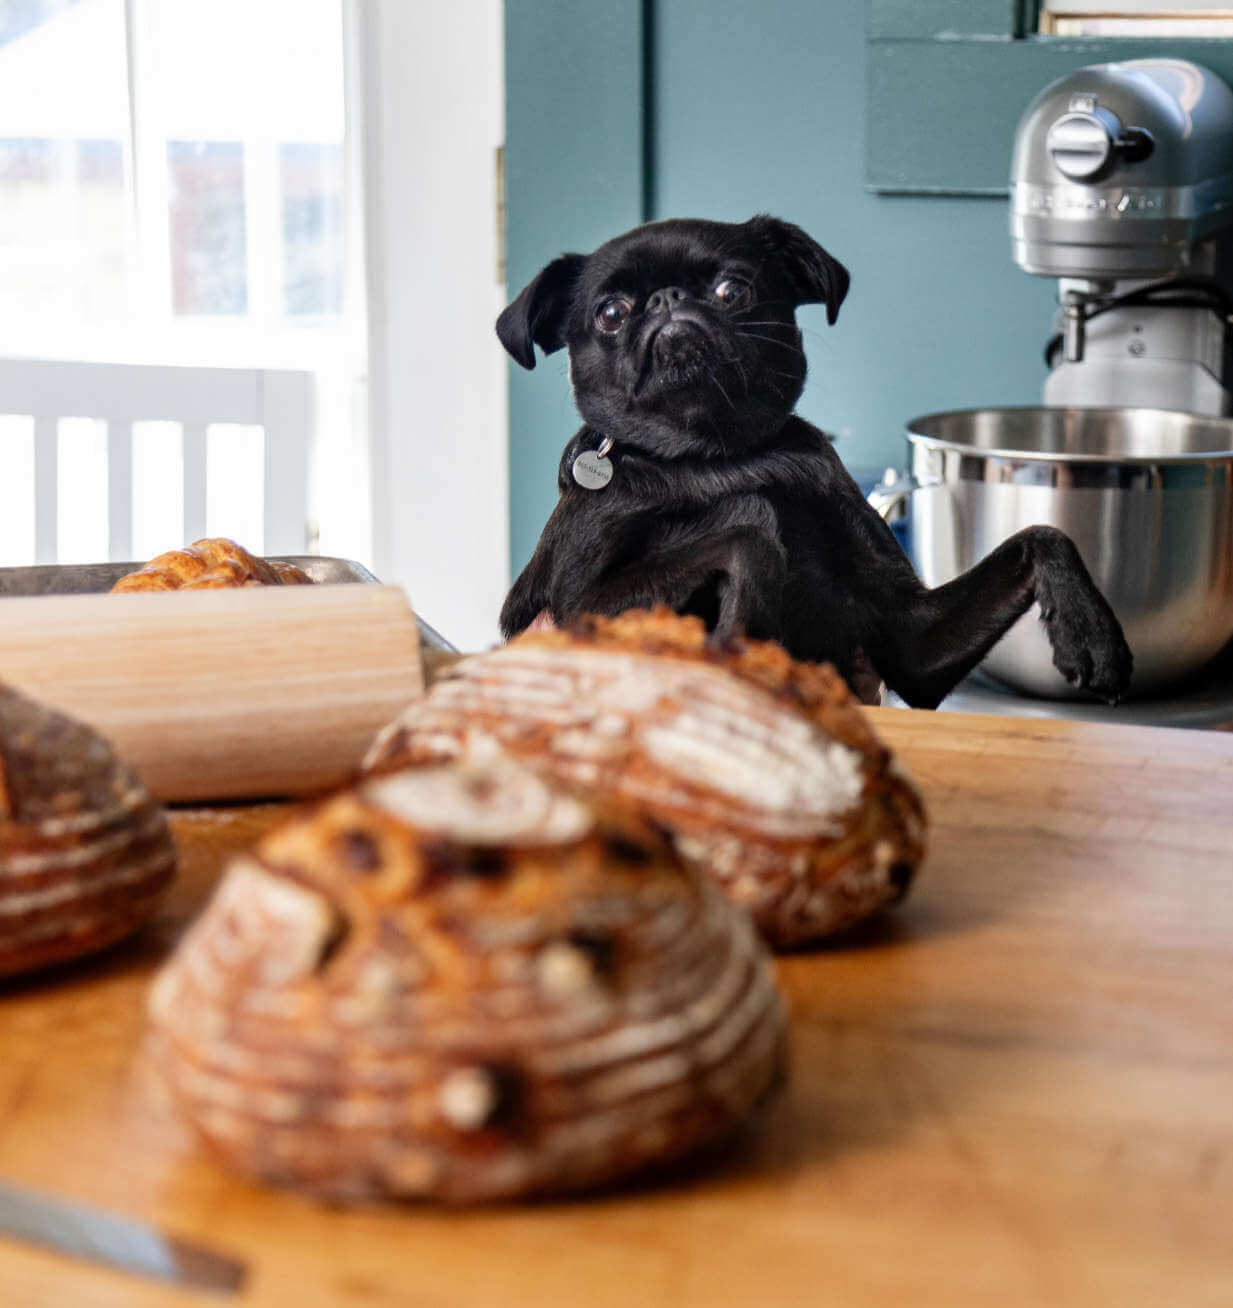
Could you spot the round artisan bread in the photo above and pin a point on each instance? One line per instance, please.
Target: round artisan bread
(461, 984)
(85, 852)
(765, 770)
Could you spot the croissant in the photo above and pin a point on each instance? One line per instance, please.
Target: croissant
(765, 770)
(85, 853)
(211, 564)
(460, 984)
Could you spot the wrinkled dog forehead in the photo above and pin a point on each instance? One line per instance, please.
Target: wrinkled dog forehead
(666, 254)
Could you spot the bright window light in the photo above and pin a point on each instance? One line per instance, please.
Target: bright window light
(235, 484)
(158, 474)
(81, 470)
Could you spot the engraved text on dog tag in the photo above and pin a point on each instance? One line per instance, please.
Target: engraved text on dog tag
(592, 469)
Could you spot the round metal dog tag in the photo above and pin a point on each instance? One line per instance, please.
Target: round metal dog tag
(591, 469)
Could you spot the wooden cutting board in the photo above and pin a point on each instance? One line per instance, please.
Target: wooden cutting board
(1016, 1089)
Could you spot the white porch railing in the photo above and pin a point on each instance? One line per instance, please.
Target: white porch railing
(197, 400)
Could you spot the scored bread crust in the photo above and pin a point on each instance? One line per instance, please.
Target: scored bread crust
(462, 984)
(765, 770)
(85, 852)
(210, 564)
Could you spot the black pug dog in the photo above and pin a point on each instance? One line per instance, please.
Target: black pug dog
(693, 484)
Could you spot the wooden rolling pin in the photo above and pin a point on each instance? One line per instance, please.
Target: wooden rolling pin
(222, 694)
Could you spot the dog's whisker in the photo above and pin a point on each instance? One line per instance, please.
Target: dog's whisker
(770, 340)
(761, 336)
(742, 329)
(719, 387)
(736, 363)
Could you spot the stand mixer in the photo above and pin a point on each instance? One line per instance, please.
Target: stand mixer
(1122, 189)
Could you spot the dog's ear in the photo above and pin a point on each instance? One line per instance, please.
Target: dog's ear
(537, 316)
(816, 276)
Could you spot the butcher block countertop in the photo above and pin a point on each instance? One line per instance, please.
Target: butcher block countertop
(1015, 1089)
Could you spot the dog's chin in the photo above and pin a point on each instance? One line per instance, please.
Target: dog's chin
(670, 377)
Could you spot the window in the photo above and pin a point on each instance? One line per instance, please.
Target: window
(174, 190)
(1148, 18)
(64, 217)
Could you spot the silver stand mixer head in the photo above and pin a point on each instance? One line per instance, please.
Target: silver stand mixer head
(1122, 188)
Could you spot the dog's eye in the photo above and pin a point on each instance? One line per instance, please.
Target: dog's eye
(731, 292)
(612, 314)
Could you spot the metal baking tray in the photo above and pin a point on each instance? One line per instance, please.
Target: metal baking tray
(96, 578)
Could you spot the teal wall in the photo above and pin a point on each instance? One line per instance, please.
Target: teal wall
(625, 109)
(763, 107)
(575, 155)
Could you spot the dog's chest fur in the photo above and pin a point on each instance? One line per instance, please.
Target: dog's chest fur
(652, 507)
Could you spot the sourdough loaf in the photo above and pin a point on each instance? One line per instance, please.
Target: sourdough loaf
(765, 770)
(459, 984)
(85, 853)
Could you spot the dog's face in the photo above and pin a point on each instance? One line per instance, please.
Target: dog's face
(682, 335)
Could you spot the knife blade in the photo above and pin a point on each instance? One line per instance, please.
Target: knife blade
(93, 1235)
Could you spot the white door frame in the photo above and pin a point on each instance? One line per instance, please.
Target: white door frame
(428, 87)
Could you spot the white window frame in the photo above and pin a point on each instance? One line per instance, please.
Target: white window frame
(431, 98)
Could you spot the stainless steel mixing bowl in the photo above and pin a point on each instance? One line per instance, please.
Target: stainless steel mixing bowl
(1145, 494)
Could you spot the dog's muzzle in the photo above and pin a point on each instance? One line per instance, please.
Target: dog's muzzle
(680, 343)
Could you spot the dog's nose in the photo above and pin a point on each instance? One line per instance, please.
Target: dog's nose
(664, 300)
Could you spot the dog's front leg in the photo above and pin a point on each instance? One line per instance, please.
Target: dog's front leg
(531, 593)
(751, 576)
(575, 549)
(750, 563)
(528, 596)
(938, 636)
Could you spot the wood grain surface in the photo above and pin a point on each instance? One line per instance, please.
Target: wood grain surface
(224, 693)
(1016, 1089)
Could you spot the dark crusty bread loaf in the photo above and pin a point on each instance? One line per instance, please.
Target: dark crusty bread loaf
(766, 771)
(85, 853)
(458, 983)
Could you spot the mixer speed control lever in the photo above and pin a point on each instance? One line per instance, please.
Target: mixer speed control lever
(1135, 144)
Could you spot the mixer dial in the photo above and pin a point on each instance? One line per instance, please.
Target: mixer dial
(1081, 145)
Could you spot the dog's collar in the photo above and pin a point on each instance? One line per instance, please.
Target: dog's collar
(592, 469)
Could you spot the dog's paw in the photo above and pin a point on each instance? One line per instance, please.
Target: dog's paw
(1089, 649)
(725, 638)
(542, 622)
